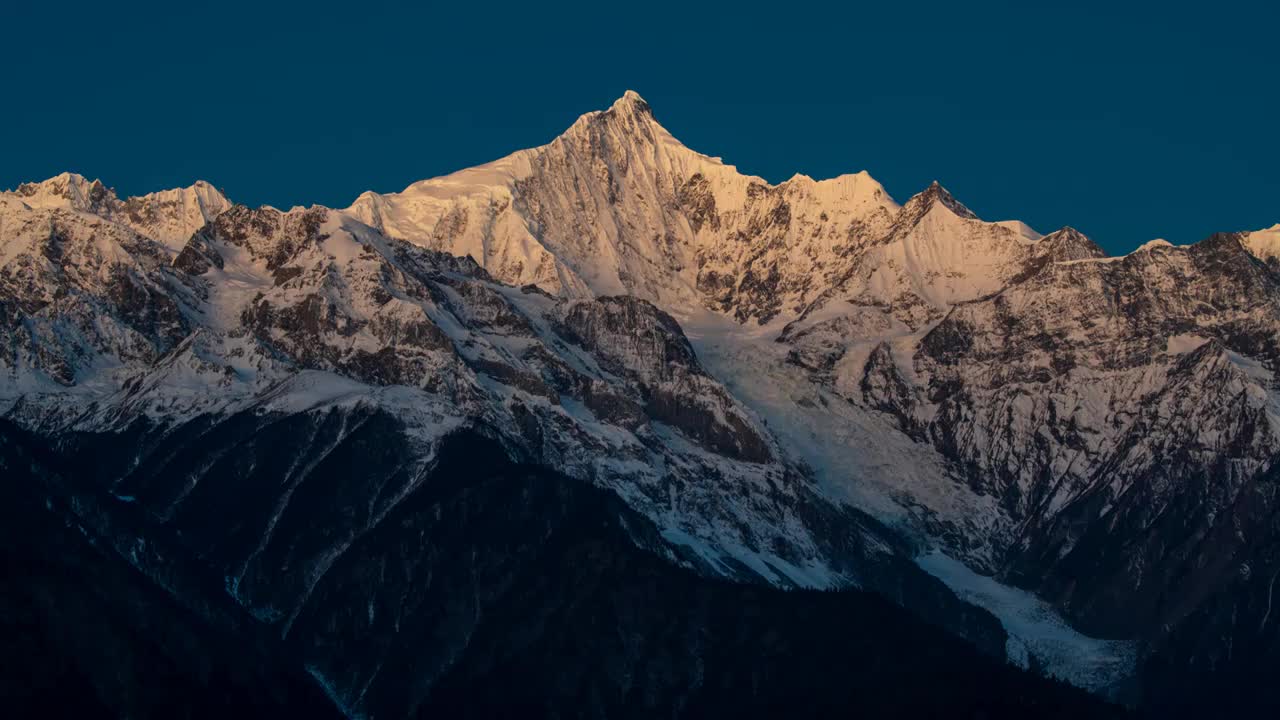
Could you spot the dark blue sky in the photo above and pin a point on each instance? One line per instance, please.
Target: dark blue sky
(1128, 123)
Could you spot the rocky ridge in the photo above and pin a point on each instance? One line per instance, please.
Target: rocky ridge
(1097, 430)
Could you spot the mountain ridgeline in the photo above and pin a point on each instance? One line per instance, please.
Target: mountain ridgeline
(607, 428)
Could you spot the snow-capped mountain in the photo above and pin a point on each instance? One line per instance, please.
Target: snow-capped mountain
(803, 385)
(1265, 244)
(1045, 390)
(1097, 399)
(309, 319)
(616, 205)
(269, 309)
(169, 216)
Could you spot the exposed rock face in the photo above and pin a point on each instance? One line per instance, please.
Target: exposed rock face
(169, 216)
(73, 286)
(1093, 398)
(264, 309)
(800, 385)
(1097, 399)
(1121, 412)
(633, 338)
(616, 205)
(1265, 245)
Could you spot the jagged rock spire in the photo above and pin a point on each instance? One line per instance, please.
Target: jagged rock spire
(936, 194)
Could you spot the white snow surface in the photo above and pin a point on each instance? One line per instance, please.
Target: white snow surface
(1265, 244)
(167, 216)
(1036, 629)
(611, 207)
(373, 296)
(856, 455)
(785, 292)
(860, 459)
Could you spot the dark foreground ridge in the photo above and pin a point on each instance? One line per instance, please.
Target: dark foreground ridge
(494, 590)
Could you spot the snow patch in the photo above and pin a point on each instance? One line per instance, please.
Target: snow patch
(1264, 244)
(1036, 629)
(1022, 229)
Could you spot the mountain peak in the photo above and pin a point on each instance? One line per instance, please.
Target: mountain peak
(630, 105)
(1155, 244)
(166, 216)
(1265, 244)
(66, 189)
(199, 191)
(1068, 243)
(935, 194)
(64, 179)
(1066, 233)
(1220, 243)
(629, 119)
(632, 99)
(75, 191)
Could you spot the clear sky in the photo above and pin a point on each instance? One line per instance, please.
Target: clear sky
(1128, 121)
